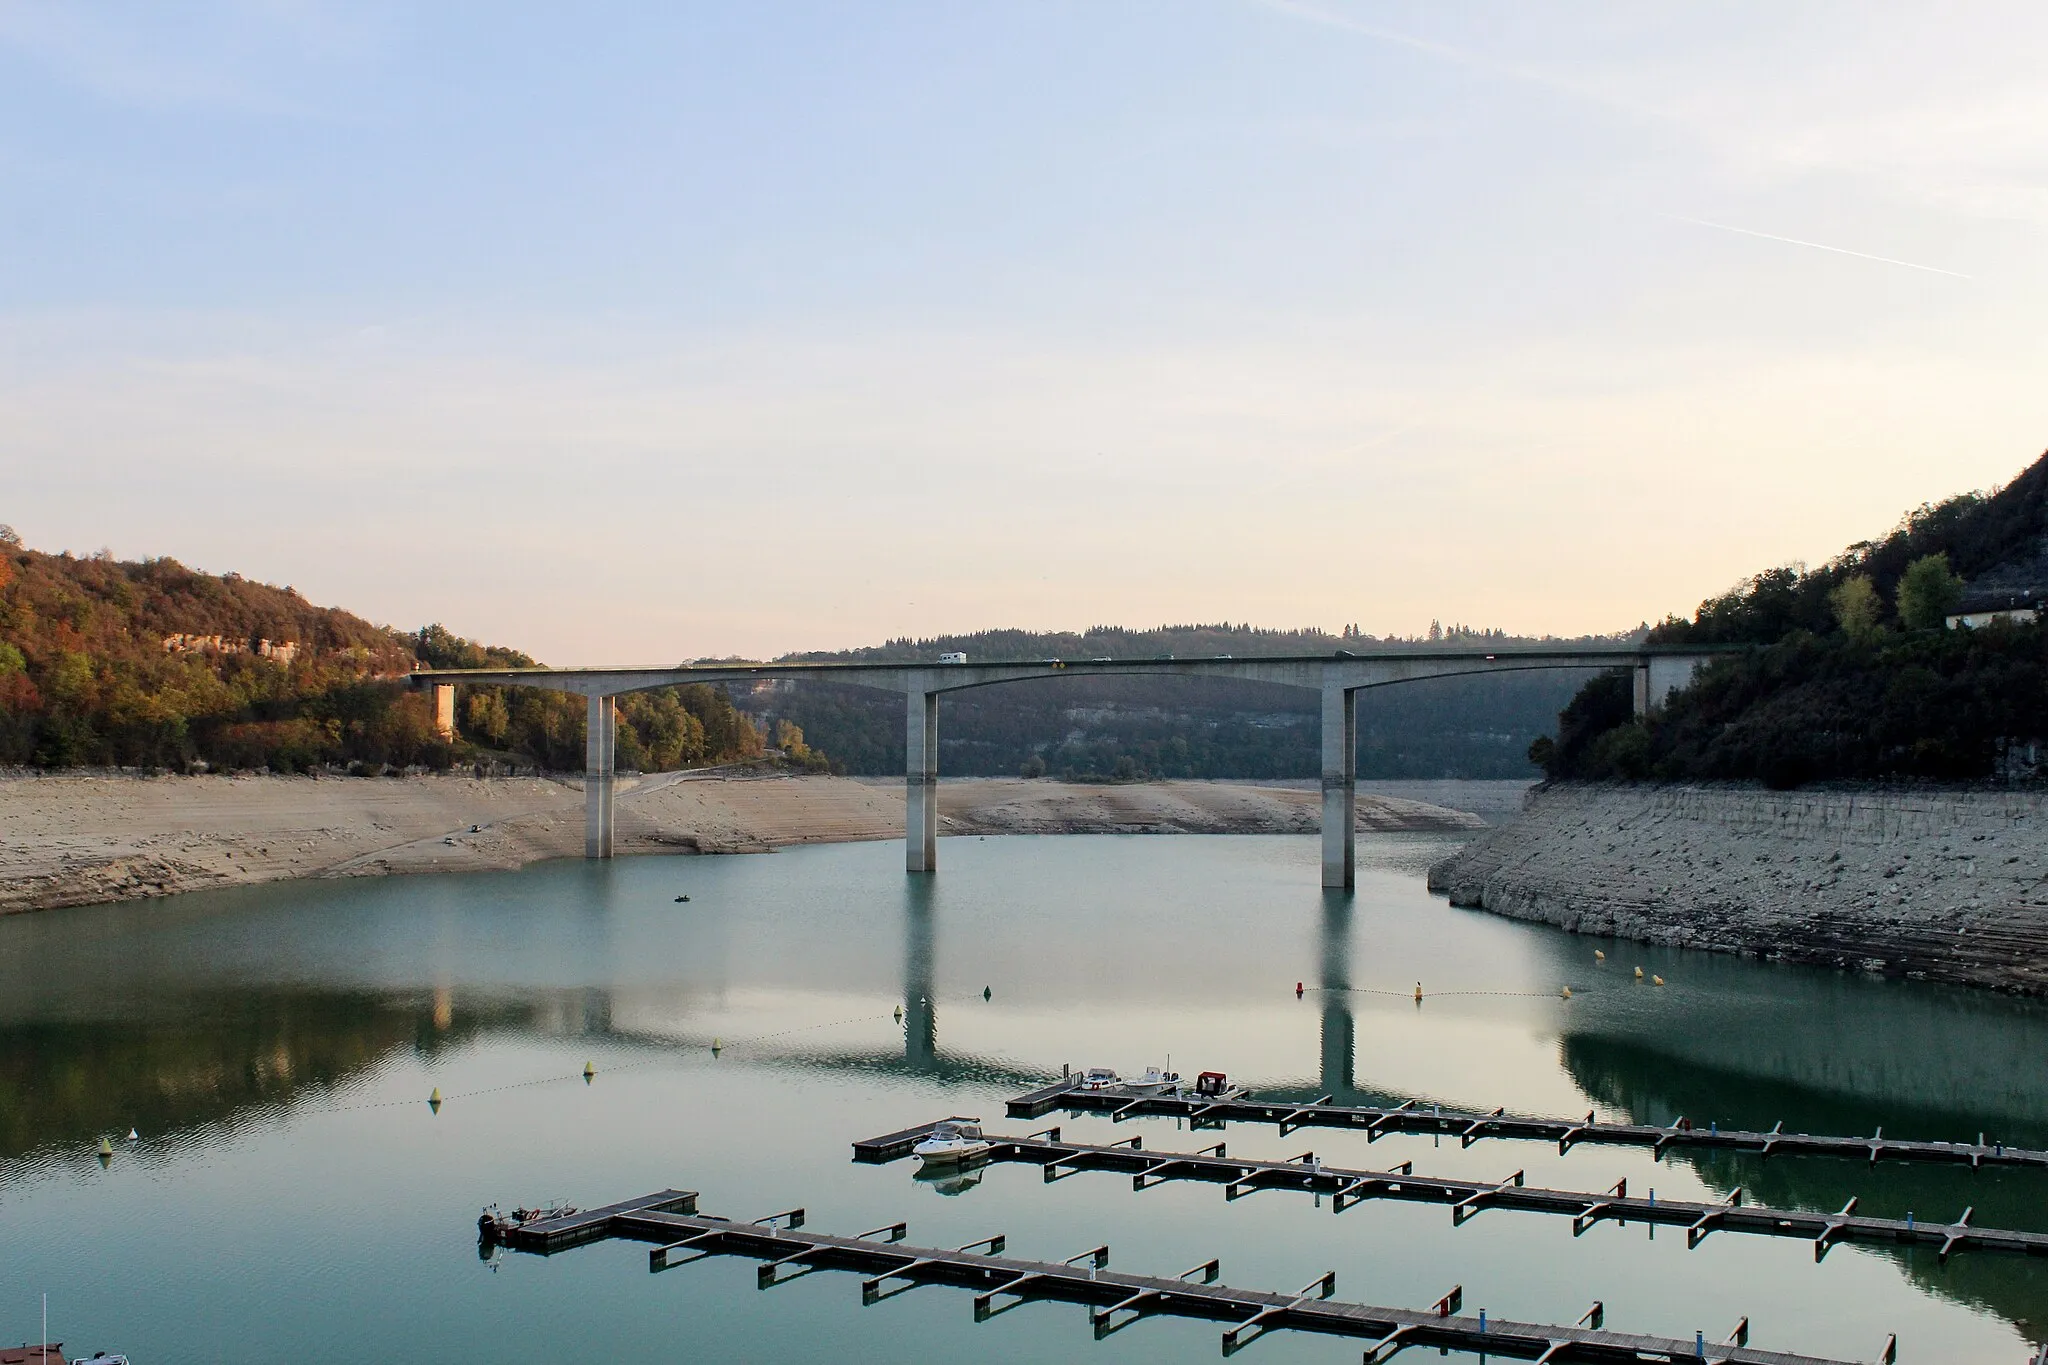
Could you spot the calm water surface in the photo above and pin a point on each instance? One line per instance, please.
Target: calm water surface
(292, 1197)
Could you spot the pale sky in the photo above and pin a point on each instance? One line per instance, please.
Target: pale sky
(637, 332)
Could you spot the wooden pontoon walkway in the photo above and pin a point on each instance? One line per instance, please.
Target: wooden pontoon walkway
(1467, 1198)
(1468, 1127)
(669, 1220)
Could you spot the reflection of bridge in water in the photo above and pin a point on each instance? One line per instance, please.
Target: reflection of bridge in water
(922, 1054)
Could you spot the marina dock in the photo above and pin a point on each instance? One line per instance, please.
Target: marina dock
(1470, 1127)
(669, 1220)
(1468, 1198)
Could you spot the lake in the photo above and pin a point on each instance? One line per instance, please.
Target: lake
(292, 1196)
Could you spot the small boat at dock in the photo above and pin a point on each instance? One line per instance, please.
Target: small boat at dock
(491, 1225)
(952, 1143)
(1153, 1082)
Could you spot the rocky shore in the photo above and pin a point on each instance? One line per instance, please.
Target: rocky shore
(1934, 885)
(79, 839)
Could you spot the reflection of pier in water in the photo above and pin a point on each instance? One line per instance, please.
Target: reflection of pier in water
(1339, 1030)
(920, 1015)
(922, 1055)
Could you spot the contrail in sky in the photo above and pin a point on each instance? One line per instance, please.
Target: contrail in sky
(1822, 246)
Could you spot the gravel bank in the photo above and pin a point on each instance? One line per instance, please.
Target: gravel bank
(75, 839)
(1941, 886)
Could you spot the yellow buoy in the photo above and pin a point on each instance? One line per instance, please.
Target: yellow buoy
(1418, 992)
(1639, 973)
(1656, 981)
(1599, 956)
(106, 1147)
(899, 1014)
(434, 1100)
(1567, 992)
(589, 1070)
(716, 1047)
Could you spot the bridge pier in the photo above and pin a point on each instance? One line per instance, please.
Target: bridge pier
(444, 711)
(1641, 674)
(921, 782)
(1340, 784)
(600, 744)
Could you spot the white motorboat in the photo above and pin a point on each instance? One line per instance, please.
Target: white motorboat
(1098, 1078)
(1153, 1082)
(951, 1143)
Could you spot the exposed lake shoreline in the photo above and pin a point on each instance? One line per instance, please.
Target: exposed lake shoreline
(1935, 885)
(80, 839)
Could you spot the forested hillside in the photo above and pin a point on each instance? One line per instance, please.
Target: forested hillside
(152, 664)
(1135, 728)
(1854, 671)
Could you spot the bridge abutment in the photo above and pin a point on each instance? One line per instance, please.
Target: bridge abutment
(600, 745)
(1340, 784)
(921, 782)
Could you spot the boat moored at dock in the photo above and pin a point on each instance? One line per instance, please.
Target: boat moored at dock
(952, 1143)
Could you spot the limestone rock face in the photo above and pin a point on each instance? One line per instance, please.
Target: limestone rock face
(1936, 885)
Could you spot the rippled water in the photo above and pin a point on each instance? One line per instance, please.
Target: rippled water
(292, 1196)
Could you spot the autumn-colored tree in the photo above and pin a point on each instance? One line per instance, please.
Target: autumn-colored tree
(1857, 606)
(486, 718)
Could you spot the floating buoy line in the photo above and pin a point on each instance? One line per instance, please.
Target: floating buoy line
(588, 1074)
(1418, 994)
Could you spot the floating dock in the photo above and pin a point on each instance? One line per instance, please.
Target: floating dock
(1468, 1198)
(668, 1219)
(1470, 1127)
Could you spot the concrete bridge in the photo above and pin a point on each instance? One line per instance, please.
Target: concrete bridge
(1338, 678)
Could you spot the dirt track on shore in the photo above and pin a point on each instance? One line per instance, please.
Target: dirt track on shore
(78, 840)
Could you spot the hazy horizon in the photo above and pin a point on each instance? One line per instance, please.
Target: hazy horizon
(623, 335)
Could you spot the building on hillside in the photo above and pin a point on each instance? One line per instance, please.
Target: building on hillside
(2016, 591)
(1979, 608)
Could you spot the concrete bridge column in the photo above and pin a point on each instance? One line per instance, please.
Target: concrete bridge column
(1641, 674)
(600, 744)
(1340, 785)
(444, 711)
(921, 783)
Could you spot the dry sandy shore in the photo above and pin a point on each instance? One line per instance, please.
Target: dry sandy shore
(77, 840)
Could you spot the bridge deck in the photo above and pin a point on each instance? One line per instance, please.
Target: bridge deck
(1469, 1127)
(1117, 1300)
(1468, 1198)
